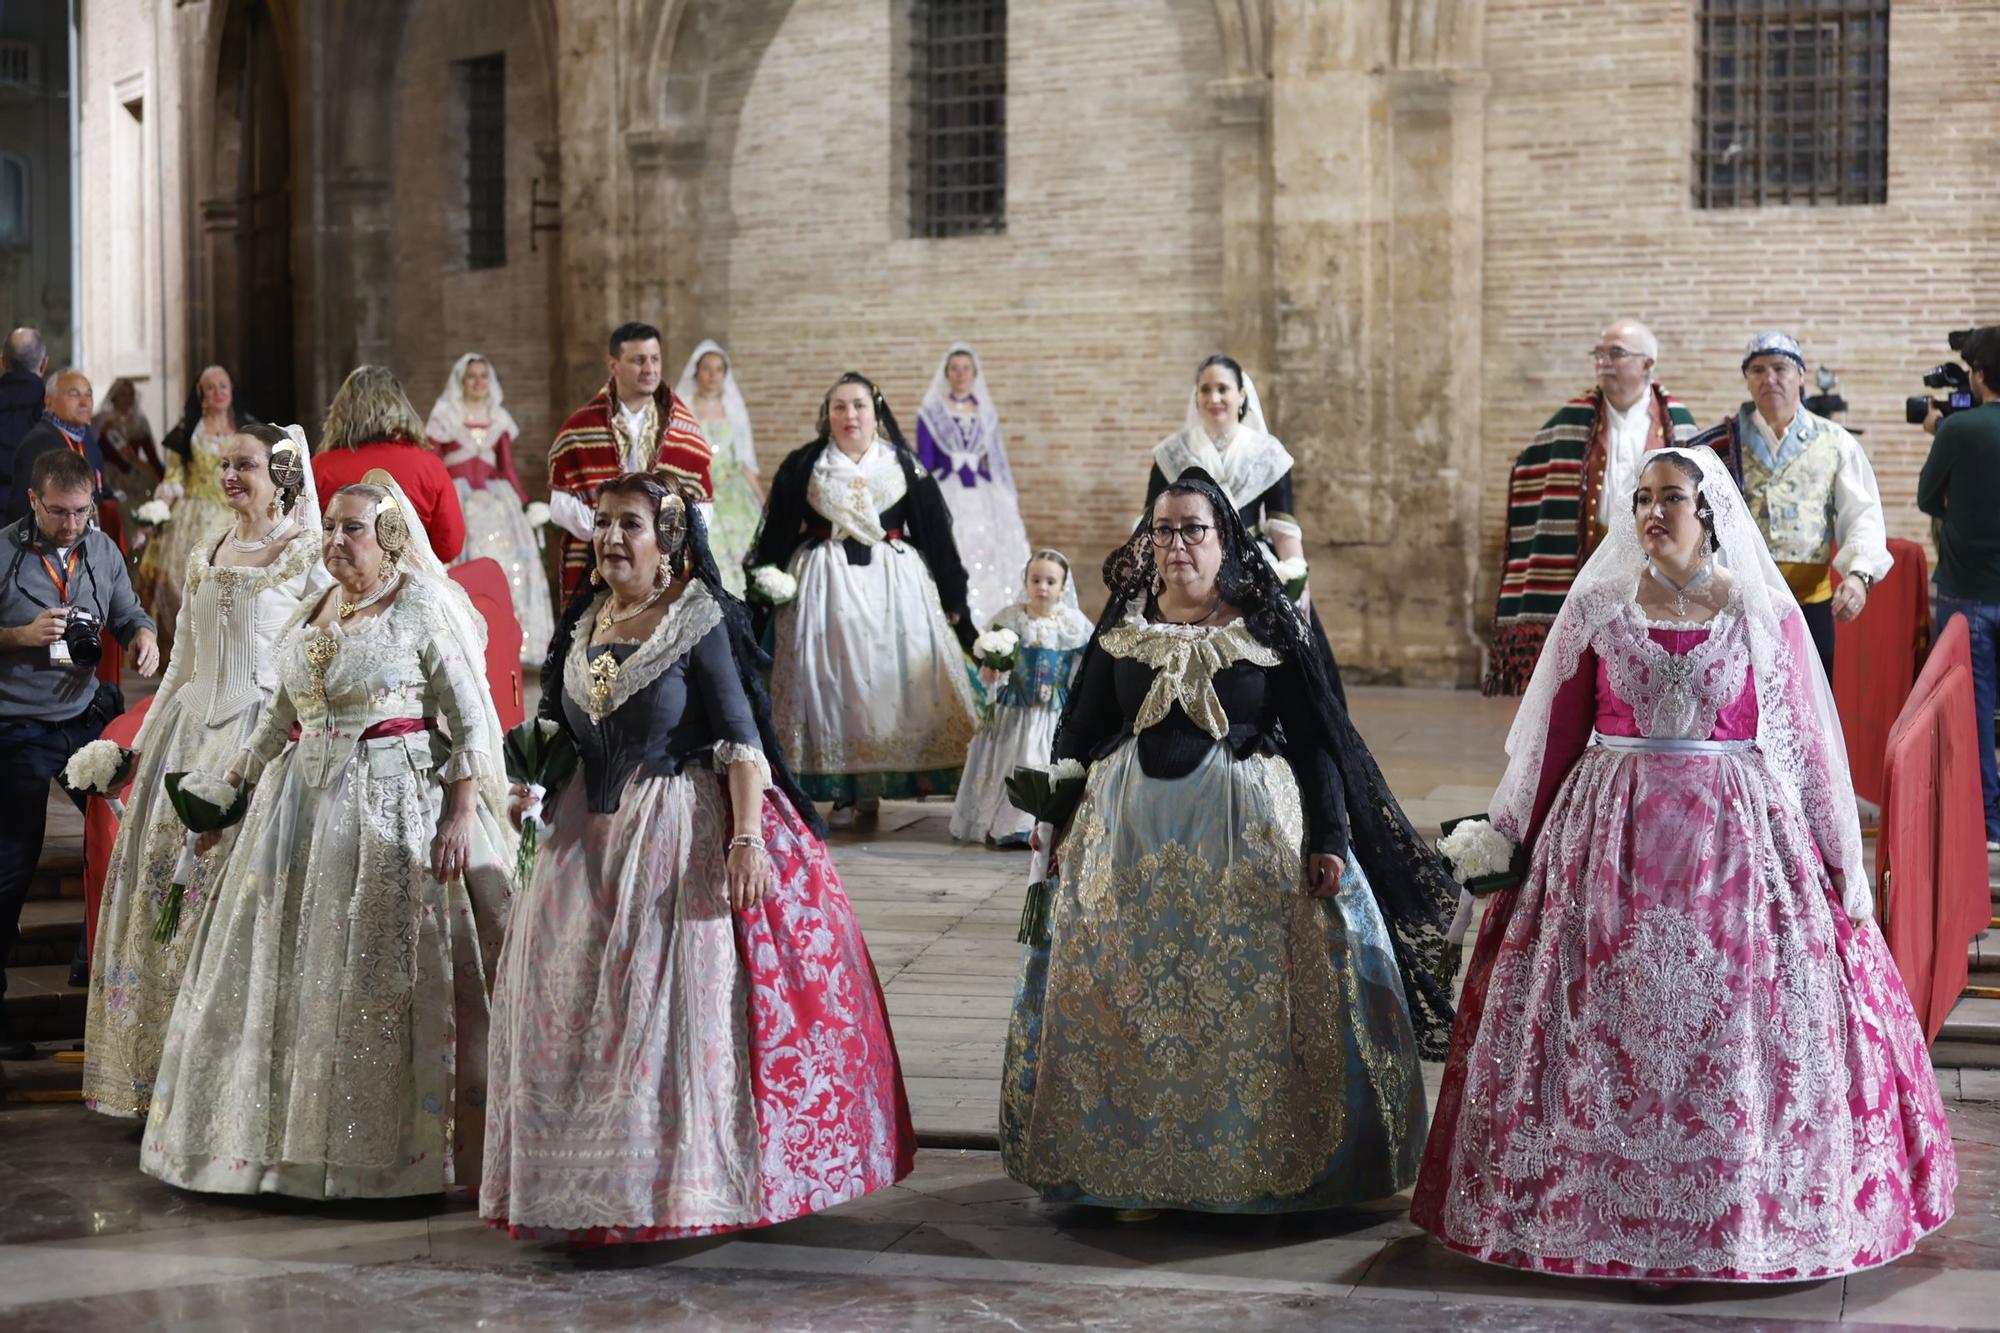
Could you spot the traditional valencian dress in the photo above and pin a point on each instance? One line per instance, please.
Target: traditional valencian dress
(1677, 1057)
(599, 443)
(200, 513)
(1199, 1033)
(1021, 727)
(868, 679)
(663, 1066)
(330, 1037)
(960, 443)
(732, 528)
(222, 672)
(480, 459)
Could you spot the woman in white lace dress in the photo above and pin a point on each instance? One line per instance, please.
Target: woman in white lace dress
(330, 1037)
(959, 441)
(240, 589)
(708, 386)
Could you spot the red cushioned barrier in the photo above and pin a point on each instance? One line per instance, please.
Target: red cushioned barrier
(1931, 860)
(1875, 663)
(486, 582)
(100, 826)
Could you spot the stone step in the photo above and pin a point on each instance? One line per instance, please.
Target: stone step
(1973, 1019)
(42, 1005)
(54, 1075)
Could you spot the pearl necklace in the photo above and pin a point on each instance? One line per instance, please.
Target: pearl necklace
(348, 609)
(605, 619)
(1681, 590)
(260, 543)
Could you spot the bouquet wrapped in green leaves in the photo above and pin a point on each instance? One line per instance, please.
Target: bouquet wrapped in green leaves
(1050, 795)
(542, 757)
(1480, 857)
(205, 804)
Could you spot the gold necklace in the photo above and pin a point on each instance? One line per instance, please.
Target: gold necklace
(347, 608)
(605, 619)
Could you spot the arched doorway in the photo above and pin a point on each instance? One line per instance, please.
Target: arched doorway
(250, 278)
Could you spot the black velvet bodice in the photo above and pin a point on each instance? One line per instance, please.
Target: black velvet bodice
(665, 726)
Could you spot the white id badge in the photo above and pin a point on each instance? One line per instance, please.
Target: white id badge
(59, 653)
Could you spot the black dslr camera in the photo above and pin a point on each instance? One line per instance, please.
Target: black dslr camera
(80, 640)
(1955, 379)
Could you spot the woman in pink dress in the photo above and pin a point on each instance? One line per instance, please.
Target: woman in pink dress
(688, 1035)
(1683, 1052)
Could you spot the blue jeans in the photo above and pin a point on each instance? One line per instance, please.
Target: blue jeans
(32, 754)
(1982, 620)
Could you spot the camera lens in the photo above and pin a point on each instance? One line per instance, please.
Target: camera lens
(1916, 409)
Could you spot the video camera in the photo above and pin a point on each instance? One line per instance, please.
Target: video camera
(1950, 376)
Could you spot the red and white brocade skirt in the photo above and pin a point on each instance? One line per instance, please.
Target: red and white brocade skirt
(663, 1067)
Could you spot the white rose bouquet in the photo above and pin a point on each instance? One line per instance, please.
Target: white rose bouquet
(1293, 574)
(154, 512)
(99, 769)
(773, 587)
(541, 757)
(1479, 856)
(998, 649)
(206, 804)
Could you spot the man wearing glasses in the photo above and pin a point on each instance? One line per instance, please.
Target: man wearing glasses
(1581, 467)
(1808, 485)
(55, 568)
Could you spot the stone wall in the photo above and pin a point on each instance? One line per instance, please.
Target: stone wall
(1589, 147)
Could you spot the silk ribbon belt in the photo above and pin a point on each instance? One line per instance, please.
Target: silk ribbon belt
(1669, 745)
(395, 726)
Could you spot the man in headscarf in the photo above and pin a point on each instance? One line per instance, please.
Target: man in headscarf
(635, 423)
(1582, 465)
(1809, 486)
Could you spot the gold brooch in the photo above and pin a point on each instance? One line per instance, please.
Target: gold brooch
(603, 675)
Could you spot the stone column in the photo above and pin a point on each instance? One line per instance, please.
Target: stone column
(590, 72)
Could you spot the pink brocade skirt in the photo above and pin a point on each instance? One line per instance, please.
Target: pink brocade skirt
(1675, 1058)
(664, 1067)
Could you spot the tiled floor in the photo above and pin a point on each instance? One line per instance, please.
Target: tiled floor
(86, 1242)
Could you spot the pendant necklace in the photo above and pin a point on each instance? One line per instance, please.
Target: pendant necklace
(348, 609)
(260, 543)
(1681, 590)
(605, 619)
(1214, 606)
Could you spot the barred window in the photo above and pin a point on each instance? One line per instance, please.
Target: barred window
(958, 117)
(1793, 103)
(485, 84)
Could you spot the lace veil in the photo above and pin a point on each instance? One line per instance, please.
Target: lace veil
(1251, 465)
(447, 419)
(742, 446)
(462, 628)
(1798, 730)
(989, 415)
(1195, 425)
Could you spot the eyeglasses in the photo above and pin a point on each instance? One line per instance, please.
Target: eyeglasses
(1614, 354)
(65, 515)
(1192, 535)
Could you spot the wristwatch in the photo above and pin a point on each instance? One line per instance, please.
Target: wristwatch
(1867, 580)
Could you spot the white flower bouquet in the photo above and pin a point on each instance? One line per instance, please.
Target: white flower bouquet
(154, 512)
(206, 804)
(542, 757)
(998, 649)
(1479, 856)
(1293, 574)
(773, 587)
(98, 769)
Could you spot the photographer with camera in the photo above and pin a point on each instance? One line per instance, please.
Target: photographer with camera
(1960, 485)
(62, 584)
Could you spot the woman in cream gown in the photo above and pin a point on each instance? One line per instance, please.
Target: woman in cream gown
(242, 584)
(330, 1036)
(193, 488)
(708, 387)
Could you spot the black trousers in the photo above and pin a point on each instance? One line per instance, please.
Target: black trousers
(32, 753)
(1819, 620)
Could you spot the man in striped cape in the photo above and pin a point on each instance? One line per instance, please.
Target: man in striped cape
(1582, 465)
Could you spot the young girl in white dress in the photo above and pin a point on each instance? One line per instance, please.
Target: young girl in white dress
(1052, 633)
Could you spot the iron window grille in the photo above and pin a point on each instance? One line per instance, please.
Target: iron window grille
(1793, 103)
(958, 117)
(486, 161)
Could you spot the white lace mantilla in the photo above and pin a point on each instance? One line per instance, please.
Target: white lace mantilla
(686, 623)
(1251, 463)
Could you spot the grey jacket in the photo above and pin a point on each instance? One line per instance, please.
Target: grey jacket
(30, 686)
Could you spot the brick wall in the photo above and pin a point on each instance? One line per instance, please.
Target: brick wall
(1589, 136)
(444, 309)
(1090, 313)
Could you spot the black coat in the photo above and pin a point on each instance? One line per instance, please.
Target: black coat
(41, 438)
(22, 397)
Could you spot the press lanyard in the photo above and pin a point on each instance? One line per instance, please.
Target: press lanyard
(61, 580)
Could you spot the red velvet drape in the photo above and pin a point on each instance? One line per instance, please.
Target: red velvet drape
(486, 583)
(1875, 663)
(100, 826)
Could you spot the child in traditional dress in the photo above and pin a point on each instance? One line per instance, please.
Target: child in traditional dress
(1051, 633)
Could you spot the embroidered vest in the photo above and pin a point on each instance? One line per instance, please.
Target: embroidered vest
(1793, 501)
